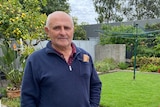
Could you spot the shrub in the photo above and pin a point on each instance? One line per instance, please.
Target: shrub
(102, 67)
(141, 61)
(105, 65)
(14, 102)
(3, 91)
(123, 65)
(149, 68)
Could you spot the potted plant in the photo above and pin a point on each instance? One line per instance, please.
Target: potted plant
(12, 70)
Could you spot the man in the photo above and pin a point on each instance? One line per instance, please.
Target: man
(61, 74)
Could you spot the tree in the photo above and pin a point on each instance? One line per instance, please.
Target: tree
(118, 10)
(142, 9)
(21, 24)
(154, 42)
(48, 6)
(111, 34)
(108, 10)
(21, 21)
(54, 5)
(79, 32)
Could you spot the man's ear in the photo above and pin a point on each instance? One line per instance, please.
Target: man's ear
(46, 30)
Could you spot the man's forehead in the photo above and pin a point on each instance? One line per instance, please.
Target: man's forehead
(60, 15)
(59, 18)
(61, 22)
(62, 25)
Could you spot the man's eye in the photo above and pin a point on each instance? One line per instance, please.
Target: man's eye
(67, 28)
(60, 28)
(56, 28)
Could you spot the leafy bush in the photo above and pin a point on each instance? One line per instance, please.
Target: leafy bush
(149, 68)
(147, 64)
(140, 61)
(105, 65)
(123, 65)
(3, 91)
(11, 102)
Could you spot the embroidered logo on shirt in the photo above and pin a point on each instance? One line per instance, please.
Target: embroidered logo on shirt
(85, 58)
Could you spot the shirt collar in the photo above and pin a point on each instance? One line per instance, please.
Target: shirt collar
(73, 50)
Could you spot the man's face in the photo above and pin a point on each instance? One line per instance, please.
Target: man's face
(60, 31)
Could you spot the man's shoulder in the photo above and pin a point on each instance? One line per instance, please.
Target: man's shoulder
(79, 49)
(83, 51)
(37, 53)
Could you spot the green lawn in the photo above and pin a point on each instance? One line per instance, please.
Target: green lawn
(120, 90)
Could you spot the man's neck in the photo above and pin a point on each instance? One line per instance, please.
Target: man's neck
(66, 51)
(63, 49)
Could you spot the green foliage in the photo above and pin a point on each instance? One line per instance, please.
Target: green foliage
(27, 51)
(79, 32)
(21, 21)
(143, 50)
(11, 102)
(146, 61)
(107, 10)
(149, 68)
(55, 5)
(15, 77)
(7, 59)
(147, 64)
(3, 91)
(122, 34)
(102, 67)
(155, 40)
(155, 26)
(140, 9)
(105, 65)
(123, 65)
(9, 67)
(157, 49)
(120, 10)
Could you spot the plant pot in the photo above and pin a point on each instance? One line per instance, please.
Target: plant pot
(13, 93)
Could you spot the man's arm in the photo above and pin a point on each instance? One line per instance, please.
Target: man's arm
(30, 88)
(95, 89)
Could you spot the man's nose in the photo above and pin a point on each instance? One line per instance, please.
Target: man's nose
(62, 31)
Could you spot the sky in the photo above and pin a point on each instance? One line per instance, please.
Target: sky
(83, 10)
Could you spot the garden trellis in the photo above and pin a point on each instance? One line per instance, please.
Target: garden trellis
(135, 36)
